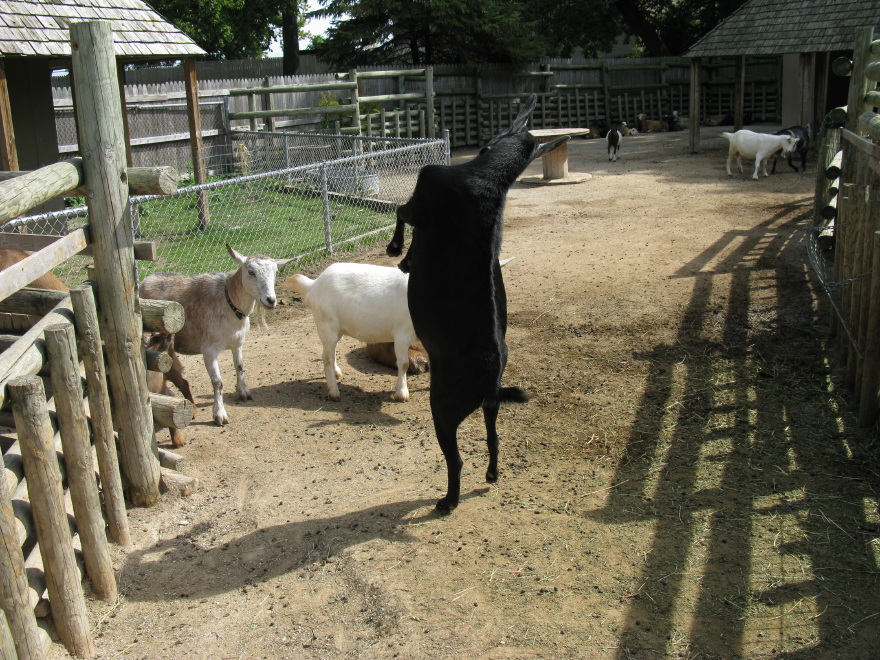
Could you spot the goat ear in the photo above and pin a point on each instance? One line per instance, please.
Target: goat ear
(523, 115)
(547, 147)
(518, 123)
(283, 262)
(235, 255)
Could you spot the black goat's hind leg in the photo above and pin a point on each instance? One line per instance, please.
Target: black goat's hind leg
(490, 415)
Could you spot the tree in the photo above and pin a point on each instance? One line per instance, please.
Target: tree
(421, 32)
(226, 29)
(239, 29)
(513, 31)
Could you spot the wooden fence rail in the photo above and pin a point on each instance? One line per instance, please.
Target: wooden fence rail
(50, 478)
(848, 199)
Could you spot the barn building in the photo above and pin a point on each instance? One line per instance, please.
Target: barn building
(34, 42)
(807, 35)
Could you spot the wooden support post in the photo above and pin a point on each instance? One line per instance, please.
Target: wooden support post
(7, 645)
(8, 151)
(269, 104)
(195, 138)
(35, 434)
(74, 429)
(14, 590)
(829, 147)
(112, 244)
(695, 102)
(120, 72)
(739, 92)
(355, 101)
(429, 101)
(868, 399)
(92, 354)
(858, 83)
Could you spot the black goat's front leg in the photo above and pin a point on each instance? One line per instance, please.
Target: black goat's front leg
(395, 247)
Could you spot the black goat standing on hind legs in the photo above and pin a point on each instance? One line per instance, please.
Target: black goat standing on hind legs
(456, 293)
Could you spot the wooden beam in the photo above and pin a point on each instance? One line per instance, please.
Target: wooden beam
(143, 250)
(161, 180)
(24, 272)
(8, 151)
(20, 194)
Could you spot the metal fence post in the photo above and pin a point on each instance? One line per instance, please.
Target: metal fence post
(325, 198)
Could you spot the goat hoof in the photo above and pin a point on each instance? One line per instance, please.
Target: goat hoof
(400, 397)
(393, 250)
(491, 476)
(445, 506)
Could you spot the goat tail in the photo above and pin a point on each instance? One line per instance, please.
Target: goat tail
(727, 135)
(299, 284)
(513, 395)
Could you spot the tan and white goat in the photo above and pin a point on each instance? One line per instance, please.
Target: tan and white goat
(217, 306)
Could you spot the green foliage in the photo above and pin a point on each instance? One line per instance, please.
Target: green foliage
(419, 32)
(327, 99)
(230, 29)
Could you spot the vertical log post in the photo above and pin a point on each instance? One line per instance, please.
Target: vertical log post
(739, 92)
(7, 644)
(14, 598)
(197, 148)
(73, 426)
(694, 113)
(47, 503)
(8, 150)
(868, 398)
(92, 355)
(101, 144)
(429, 101)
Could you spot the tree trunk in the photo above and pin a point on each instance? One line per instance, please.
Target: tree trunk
(290, 40)
(642, 28)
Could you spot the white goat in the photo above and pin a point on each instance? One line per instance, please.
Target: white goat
(759, 146)
(217, 306)
(363, 301)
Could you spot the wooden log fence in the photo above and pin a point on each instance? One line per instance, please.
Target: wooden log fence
(423, 106)
(848, 203)
(52, 528)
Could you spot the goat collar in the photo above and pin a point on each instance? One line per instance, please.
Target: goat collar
(240, 314)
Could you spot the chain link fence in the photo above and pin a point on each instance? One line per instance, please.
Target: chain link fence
(284, 195)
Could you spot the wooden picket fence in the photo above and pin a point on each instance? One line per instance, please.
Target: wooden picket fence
(848, 217)
(50, 452)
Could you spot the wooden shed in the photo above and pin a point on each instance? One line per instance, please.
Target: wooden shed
(805, 34)
(34, 42)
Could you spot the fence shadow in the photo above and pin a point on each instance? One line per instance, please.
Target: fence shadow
(182, 567)
(759, 488)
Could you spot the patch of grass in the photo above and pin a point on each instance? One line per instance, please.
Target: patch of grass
(269, 216)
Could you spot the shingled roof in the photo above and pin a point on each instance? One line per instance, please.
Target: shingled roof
(40, 29)
(780, 27)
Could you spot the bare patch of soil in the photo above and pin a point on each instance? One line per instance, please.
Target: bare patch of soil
(688, 480)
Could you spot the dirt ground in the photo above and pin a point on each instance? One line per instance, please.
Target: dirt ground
(688, 481)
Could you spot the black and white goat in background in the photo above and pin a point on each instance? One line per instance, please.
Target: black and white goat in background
(614, 138)
(802, 146)
(456, 293)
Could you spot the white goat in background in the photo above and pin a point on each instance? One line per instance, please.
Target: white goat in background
(759, 146)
